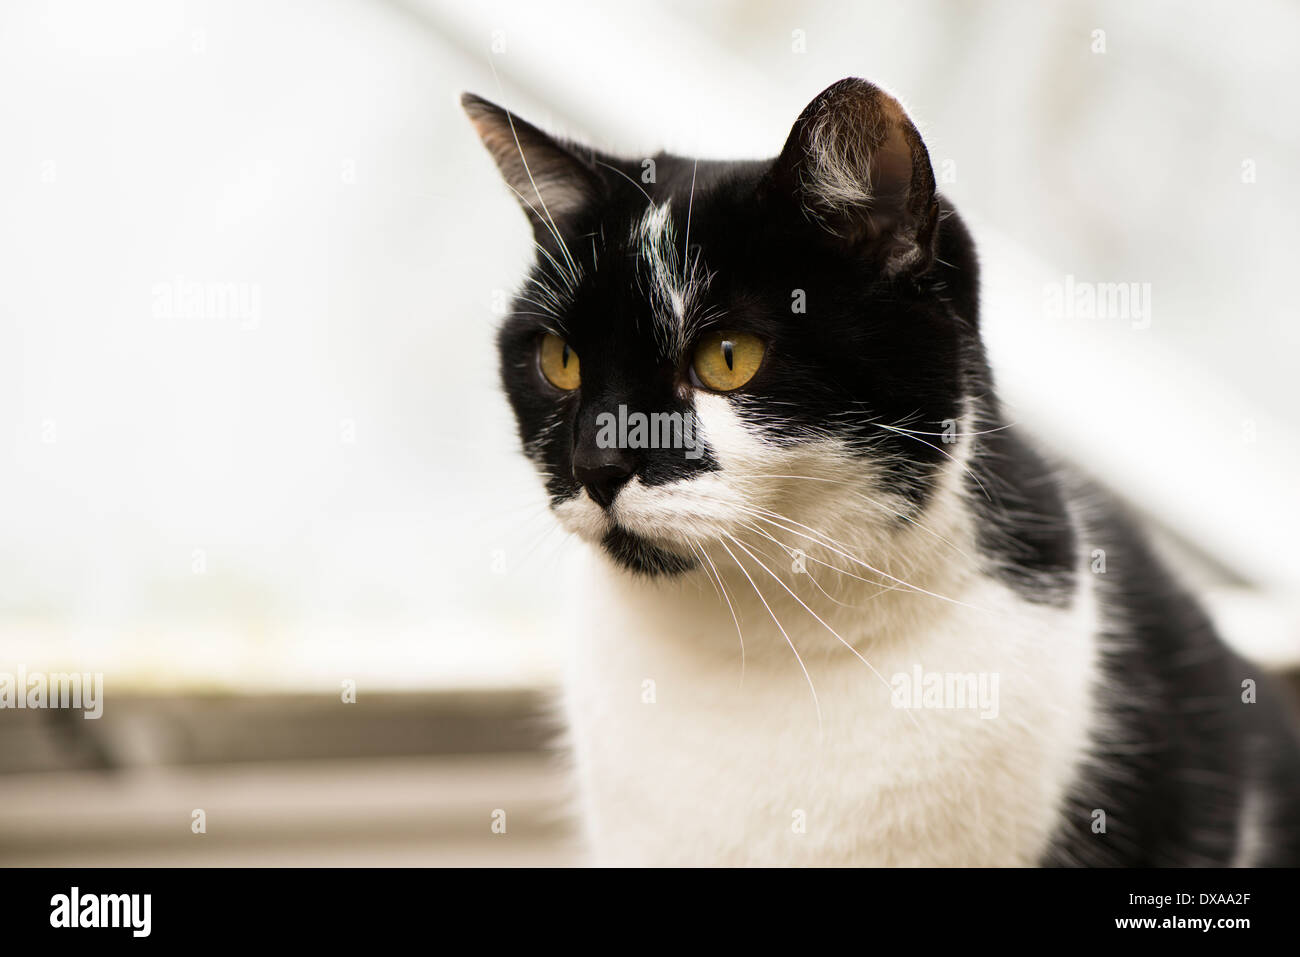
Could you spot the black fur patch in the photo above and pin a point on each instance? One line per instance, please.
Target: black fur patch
(1178, 750)
(1024, 529)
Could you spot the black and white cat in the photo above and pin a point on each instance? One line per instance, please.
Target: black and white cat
(847, 615)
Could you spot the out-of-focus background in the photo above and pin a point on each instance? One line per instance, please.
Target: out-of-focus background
(251, 259)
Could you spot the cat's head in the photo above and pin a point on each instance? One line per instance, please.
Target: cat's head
(709, 350)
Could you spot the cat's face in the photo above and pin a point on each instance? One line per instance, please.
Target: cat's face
(707, 351)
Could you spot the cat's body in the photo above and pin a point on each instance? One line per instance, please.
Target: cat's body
(937, 666)
(1125, 704)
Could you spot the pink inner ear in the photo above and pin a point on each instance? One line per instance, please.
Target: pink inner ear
(891, 172)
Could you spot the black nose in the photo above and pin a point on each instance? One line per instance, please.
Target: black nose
(603, 472)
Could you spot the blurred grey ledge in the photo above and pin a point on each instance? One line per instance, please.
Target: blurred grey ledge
(396, 779)
(147, 730)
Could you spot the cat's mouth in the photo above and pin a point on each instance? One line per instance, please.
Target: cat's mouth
(640, 538)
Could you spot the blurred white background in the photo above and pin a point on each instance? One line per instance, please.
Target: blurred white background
(250, 254)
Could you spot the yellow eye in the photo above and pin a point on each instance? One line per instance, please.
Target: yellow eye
(727, 360)
(559, 362)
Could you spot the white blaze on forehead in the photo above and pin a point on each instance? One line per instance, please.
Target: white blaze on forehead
(658, 251)
(669, 287)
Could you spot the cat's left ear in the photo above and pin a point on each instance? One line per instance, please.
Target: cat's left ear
(550, 182)
(855, 164)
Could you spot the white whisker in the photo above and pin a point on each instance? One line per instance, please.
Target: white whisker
(820, 621)
(802, 666)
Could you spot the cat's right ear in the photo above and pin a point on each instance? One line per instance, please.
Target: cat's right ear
(550, 182)
(855, 165)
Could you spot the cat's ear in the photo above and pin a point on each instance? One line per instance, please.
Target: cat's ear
(550, 182)
(855, 164)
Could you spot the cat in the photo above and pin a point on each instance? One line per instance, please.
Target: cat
(851, 616)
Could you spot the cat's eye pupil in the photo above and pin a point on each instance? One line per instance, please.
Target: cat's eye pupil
(725, 361)
(558, 362)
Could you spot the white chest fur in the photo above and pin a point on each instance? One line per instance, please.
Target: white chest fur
(681, 762)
